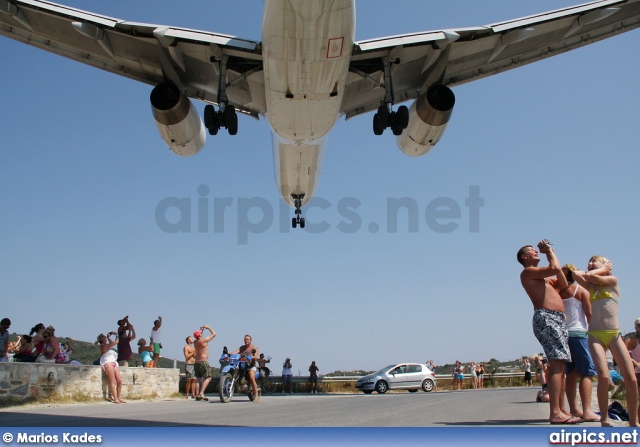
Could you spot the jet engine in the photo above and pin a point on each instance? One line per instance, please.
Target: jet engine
(177, 120)
(428, 117)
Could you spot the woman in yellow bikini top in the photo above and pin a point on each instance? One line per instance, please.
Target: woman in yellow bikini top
(604, 334)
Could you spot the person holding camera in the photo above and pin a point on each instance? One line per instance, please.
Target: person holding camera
(109, 363)
(126, 333)
(155, 341)
(202, 368)
(548, 321)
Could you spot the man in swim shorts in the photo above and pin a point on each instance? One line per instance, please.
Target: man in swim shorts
(203, 370)
(548, 321)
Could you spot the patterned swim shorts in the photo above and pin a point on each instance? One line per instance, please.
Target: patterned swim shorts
(549, 329)
(203, 370)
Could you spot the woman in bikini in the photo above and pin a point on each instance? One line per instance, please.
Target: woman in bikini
(109, 363)
(604, 334)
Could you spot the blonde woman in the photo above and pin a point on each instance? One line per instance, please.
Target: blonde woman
(604, 334)
(109, 363)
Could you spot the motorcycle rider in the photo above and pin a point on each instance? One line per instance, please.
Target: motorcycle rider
(248, 348)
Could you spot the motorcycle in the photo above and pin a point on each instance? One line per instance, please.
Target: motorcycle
(234, 376)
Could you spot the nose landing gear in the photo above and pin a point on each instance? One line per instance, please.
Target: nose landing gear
(297, 220)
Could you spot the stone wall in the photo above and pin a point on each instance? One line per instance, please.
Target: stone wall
(22, 380)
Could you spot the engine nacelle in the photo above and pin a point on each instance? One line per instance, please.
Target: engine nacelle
(178, 121)
(428, 117)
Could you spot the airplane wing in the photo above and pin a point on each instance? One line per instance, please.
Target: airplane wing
(145, 52)
(457, 56)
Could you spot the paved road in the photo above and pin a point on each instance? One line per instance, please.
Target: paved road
(514, 407)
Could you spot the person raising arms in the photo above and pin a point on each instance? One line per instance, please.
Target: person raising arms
(604, 334)
(548, 321)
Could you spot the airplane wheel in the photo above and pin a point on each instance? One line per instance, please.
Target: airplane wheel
(397, 130)
(383, 116)
(302, 222)
(231, 119)
(210, 117)
(377, 129)
(294, 222)
(402, 117)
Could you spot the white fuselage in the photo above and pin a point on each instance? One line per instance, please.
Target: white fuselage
(306, 49)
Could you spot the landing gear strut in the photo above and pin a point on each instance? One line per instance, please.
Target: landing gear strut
(386, 117)
(226, 116)
(298, 220)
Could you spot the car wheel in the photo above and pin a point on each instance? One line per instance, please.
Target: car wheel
(382, 387)
(367, 391)
(427, 385)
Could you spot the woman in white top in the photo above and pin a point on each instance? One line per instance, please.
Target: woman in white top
(109, 363)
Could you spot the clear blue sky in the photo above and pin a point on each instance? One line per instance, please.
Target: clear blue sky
(552, 148)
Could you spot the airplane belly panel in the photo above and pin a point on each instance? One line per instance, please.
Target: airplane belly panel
(297, 167)
(306, 52)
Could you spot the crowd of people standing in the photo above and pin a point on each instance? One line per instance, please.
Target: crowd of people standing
(576, 322)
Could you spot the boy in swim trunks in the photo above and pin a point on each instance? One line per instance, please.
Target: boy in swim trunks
(548, 321)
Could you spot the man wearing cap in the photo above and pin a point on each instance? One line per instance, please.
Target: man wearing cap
(203, 370)
(5, 324)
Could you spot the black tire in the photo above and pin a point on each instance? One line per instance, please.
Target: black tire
(428, 385)
(397, 130)
(294, 222)
(302, 222)
(225, 389)
(367, 391)
(402, 117)
(384, 117)
(377, 128)
(382, 387)
(210, 119)
(231, 119)
(268, 386)
(232, 128)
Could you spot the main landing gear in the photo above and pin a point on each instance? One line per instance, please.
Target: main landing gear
(298, 220)
(397, 121)
(386, 117)
(226, 116)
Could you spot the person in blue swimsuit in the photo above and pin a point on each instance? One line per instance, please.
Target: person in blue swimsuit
(144, 351)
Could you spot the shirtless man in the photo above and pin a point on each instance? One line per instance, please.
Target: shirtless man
(248, 348)
(548, 321)
(203, 370)
(189, 368)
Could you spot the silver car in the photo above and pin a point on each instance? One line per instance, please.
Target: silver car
(401, 376)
